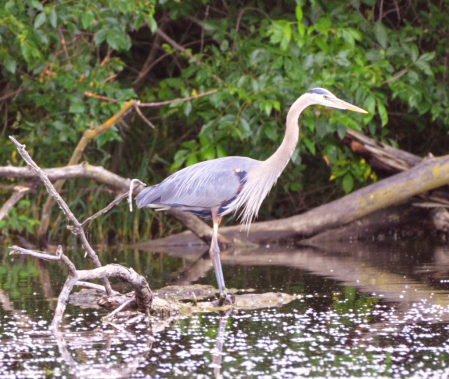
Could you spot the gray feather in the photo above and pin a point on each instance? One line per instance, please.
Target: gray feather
(201, 186)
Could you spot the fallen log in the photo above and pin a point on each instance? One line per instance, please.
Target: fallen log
(379, 155)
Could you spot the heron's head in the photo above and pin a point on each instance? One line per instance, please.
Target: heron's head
(324, 97)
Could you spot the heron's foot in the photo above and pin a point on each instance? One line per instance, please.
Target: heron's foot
(226, 299)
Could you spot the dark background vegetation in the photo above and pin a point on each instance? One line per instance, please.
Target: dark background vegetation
(66, 66)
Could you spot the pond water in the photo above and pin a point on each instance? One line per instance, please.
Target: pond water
(360, 311)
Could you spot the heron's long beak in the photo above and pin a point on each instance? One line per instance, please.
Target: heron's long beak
(344, 105)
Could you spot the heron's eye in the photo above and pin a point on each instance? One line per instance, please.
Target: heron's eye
(324, 96)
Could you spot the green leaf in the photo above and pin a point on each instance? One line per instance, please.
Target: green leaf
(426, 57)
(341, 130)
(370, 104)
(113, 39)
(382, 112)
(414, 52)
(152, 23)
(10, 64)
(208, 154)
(244, 126)
(77, 107)
(192, 160)
(53, 18)
(347, 183)
(175, 83)
(100, 36)
(268, 107)
(310, 145)
(187, 108)
(36, 4)
(381, 33)
(39, 20)
(322, 44)
(355, 34)
(86, 20)
(286, 37)
(224, 45)
(108, 136)
(299, 13)
(221, 152)
(424, 67)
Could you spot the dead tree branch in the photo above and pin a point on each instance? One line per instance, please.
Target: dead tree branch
(143, 294)
(180, 100)
(101, 175)
(76, 226)
(19, 193)
(105, 210)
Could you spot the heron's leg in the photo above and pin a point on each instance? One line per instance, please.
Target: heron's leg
(214, 251)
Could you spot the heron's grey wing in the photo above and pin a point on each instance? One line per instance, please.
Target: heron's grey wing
(202, 186)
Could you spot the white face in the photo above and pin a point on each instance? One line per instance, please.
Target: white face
(328, 99)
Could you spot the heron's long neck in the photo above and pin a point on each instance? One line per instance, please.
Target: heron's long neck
(283, 154)
(262, 178)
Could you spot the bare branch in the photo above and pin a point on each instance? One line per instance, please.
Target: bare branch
(50, 189)
(64, 46)
(34, 253)
(99, 97)
(19, 193)
(83, 170)
(117, 310)
(402, 73)
(116, 201)
(178, 47)
(58, 257)
(106, 177)
(148, 122)
(92, 286)
(143, 294)
(162, 103)
(8, 95)
(76, 228)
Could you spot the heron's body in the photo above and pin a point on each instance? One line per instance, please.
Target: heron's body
(218, 187)
(201, 187)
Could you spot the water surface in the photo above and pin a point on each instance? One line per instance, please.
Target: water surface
(360, 311)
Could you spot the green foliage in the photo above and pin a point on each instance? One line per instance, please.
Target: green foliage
(60, 61)
(17, 221)
(58, 51)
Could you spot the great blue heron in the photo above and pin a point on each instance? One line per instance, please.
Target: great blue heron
(218, 187)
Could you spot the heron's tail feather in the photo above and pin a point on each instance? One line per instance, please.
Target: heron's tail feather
(149, 197)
